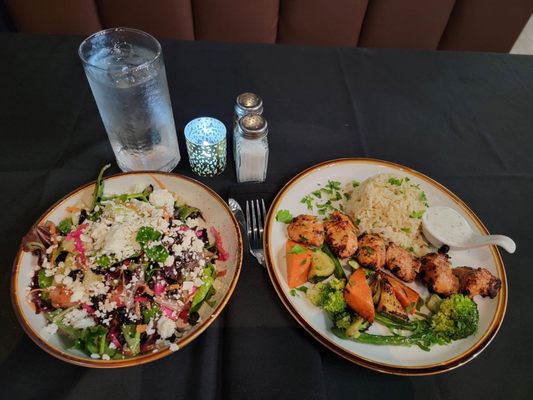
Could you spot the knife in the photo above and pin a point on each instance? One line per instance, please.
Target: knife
(239, 216)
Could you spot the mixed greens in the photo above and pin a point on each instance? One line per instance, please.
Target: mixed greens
(126, 274)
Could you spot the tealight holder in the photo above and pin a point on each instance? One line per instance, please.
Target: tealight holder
(206, 146)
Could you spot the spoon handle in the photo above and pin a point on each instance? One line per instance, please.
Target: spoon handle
(500, 240)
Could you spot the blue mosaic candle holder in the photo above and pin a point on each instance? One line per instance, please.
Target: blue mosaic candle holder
(206, 146)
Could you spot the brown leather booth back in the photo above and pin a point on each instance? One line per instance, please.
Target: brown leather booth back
(477, 25)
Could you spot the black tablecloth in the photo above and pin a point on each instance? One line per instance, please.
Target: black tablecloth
(464, 119)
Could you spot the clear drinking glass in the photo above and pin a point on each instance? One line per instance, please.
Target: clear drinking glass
(127, 76)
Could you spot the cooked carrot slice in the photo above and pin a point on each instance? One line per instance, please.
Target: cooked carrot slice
(298, 264)
(358, 295)
(405, 295)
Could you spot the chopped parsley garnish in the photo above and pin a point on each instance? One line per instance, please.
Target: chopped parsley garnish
(293, 292)
(406, 230)
(395, 181)
(417, 214)
(333, 185)
(297, 249)
(308, 201)
(303, 262)
(410, 249)
(331, 195)
(410, 307)
(370, 250)
(284, 216)
(355, 183)
(357, 221)
(302, 289)
(347, 196)
(317, 194)
(423, 199)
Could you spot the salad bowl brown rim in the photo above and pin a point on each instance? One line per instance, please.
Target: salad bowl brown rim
(17, 298)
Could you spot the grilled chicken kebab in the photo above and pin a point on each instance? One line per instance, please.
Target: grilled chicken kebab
(374, 252)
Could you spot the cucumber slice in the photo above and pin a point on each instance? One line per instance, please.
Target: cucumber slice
(322, 266)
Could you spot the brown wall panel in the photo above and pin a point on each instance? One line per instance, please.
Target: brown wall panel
(236, 20)
(486, 25)
(413, 24)
(321, 21)
(161, 18)
(78, 17)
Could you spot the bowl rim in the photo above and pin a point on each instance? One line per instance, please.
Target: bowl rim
(432, 369)
(145, 358)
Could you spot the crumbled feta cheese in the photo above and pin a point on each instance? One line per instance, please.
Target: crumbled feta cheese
(198, 282)
(191, 223)
(108, 305)
(162, 198)
(78, 292)
(106, 357)
(166, 327)
(48, 331)
(187, 286)
(78, 319)
(173, 347)
(150, 328)
(67, 281)
(169, 261)
(95, 356)
(120, 241)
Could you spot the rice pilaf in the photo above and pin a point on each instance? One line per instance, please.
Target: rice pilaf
(391, 206)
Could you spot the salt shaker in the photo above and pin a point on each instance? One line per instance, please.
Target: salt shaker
(247, 103)
(251, 148)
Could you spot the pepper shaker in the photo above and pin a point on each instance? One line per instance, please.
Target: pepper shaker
(251, 148)
(247, 103)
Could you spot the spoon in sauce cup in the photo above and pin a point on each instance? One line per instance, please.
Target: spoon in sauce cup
(444, 225)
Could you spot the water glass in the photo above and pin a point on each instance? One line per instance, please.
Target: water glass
(126, 72)
(206, 145)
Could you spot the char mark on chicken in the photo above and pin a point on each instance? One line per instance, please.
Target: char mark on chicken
(402, 263)
(436, 273)
(480, 281)
(341, 235)
(372, 251)
(306, 229)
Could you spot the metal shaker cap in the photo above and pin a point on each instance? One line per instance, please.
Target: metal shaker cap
(253, 126)
(249, 102)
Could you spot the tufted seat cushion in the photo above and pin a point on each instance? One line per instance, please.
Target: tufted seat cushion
(486, 25)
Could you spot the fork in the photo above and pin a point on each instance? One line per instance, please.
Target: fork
(255, 218)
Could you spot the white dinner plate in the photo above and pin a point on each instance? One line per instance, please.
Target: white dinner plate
(389, 359)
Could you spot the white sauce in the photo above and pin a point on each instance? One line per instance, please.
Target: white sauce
(448, 224)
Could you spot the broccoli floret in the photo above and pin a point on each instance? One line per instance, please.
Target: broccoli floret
(456, 318)
(313, 294)
(343, 320)
(334, 302)
(328, 295)
(337, 284)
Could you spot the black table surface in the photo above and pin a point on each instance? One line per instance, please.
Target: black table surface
(464, 119)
